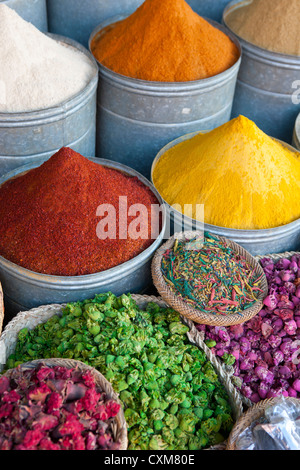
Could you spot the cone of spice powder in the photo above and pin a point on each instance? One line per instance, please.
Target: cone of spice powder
(245, 179)
(164, 41)
(269, 24)
(49, 216)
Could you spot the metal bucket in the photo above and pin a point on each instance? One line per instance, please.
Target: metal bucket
(212, 9)
(76, 19)
(257, 242)
(26, 289)
(265, 91)
(27, 137)
(34, 11)
(296, 135)
(136, 118)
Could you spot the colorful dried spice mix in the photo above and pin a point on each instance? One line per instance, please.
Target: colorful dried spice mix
(210, 275)
(55, 408)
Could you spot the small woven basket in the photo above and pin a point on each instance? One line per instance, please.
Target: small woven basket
(31, 318)
(254, 413)
(193, 313)
(118, 425)
(1, 309)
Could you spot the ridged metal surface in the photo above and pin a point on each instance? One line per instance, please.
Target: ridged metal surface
(265, 87)
(76, 19)
(34, 11)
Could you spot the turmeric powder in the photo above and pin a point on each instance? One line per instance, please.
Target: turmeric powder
(164, 41)
(244, 178)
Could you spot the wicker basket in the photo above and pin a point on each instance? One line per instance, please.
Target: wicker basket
(119, 426)
(277, 256)
(1, 309)
(254, 413)
(31, 318)
(193, 313)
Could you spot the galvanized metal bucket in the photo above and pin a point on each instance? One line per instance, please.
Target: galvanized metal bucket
(25, 289)
(265, 91)
(257, 242)
(27, 137)
(136, 118)
(212, 9)
(34, 11)
(76, 19)
(296, 134)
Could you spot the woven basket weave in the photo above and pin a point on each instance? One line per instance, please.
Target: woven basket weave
(254, 413)
(193, 313)
(1, 309)
(118, 425)
(31, 318)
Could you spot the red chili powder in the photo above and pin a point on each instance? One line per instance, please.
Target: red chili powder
(49, 221)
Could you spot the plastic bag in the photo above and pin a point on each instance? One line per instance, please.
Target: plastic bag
(278, 429)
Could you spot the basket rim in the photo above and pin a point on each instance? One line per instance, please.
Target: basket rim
(253, 413)
(119, 425)
(192, 312)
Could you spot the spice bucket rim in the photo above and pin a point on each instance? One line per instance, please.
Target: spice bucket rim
(168, 86)
(188, 136)
(116, 272)
(69, 105)
(297, 130)
(266, 54)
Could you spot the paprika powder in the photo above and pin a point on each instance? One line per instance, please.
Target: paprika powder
(48, 216)
(164, 41)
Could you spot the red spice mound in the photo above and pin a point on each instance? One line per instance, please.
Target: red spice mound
(49, 220)
(52, 413)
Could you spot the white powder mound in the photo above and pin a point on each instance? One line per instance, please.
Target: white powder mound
(36, 72)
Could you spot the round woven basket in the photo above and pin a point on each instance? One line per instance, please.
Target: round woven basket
(31, 318)
(1, 309)
(118, 426)
(252, 414)
(193, 313)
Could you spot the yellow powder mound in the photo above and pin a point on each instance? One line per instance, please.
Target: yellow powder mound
(245, 179)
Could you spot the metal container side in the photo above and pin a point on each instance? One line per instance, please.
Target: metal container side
(257, 242)
(212, 9)
(136, 118)
(26, 288)
(265, 90)
(33, 11)
(25, 137)
(77, 19)
(296, 134)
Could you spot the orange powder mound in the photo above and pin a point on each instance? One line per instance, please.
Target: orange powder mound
(164, 41)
